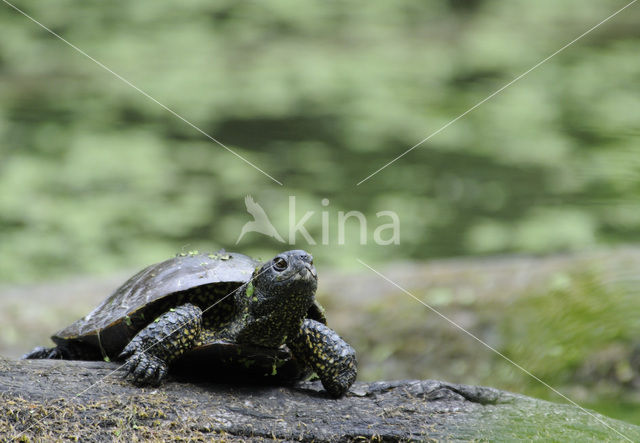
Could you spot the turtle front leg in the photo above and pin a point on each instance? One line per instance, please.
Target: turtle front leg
(149, 353)
(332, 358)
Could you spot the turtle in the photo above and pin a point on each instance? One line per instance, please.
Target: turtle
(221, 313)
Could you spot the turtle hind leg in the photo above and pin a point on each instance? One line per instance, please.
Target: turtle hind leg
(66, 350)
(43, 353)
(332, 358)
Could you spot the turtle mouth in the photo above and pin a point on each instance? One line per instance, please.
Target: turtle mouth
(310, 270)
(307, 272)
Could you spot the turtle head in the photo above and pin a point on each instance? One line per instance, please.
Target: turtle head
(288, 281)
(281, 292)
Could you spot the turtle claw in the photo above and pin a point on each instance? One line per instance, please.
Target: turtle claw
(129, 366)
(144, 369)
(161, 373)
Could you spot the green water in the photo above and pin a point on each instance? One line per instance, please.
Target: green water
(95, 177)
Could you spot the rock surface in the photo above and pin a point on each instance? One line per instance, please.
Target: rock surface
(60, 400)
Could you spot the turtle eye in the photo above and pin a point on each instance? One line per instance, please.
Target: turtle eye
(280, 264)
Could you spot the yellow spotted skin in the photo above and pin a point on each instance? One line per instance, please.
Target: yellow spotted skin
(332, 358)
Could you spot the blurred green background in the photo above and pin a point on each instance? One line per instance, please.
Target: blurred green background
(95, 178)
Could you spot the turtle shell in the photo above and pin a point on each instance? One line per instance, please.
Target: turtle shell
(106, 330)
